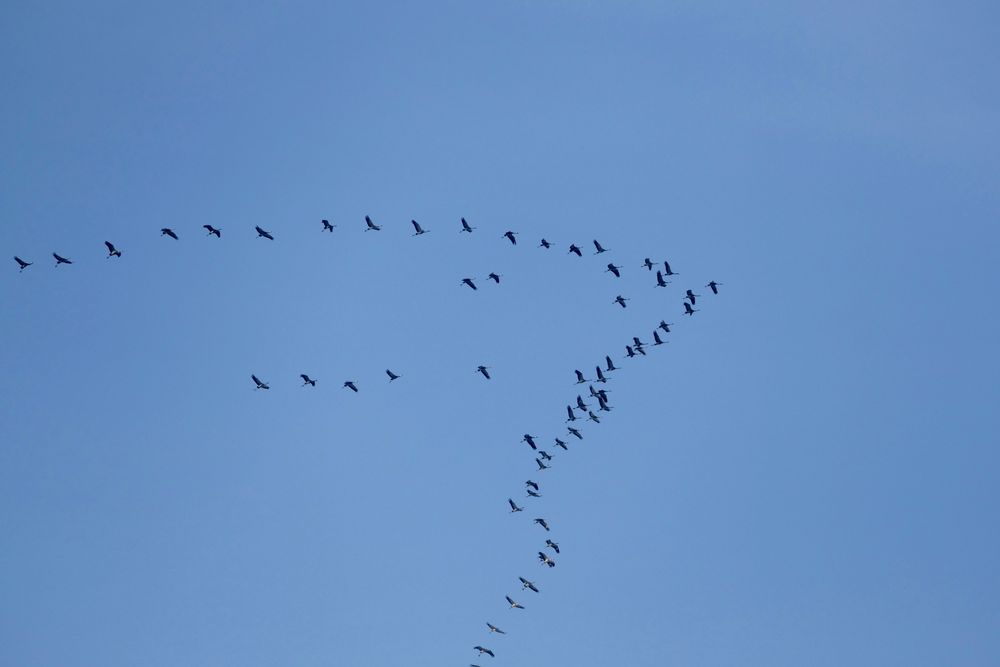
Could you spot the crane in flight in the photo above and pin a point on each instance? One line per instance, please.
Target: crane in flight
(371, 226)
(263, 234)
(112, 250)
(257, 381)
(212, 231)
(417, 229)
(327, 227)
(166, 231)
(466, 227)
(61, 260)
(306, 380)
(21, 263)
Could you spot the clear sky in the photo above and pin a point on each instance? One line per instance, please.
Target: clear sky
(805, 475)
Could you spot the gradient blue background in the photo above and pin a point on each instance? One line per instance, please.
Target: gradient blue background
(806, 475)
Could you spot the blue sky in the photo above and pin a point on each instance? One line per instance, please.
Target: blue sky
(806, 474)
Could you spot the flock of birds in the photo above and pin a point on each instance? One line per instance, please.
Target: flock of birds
(576, 411)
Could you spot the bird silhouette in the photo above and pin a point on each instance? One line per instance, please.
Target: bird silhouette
(572, 415)
(22, 264)
(371, 226)
(484, 650)
(667, 270)
(513, 605)
(166, 231)
(543, 524)
(580, 405)
(656, 338)
(599, 248)
(615, 270)
(263, 234)
(541, 464)
(417, 229)
(392, 376)
(545, 244)
(544, 454)
(327, 227)
(560, 443)
(552, 545)
(218, 233)
(692, 297)
(620, 300)
(600, 374)
(495, 629)
(714, 286)
(530, 439)
(61, 260)
(495, 277)
(688, 310)
(610, 364)
(592, 417)
(579, 377)
(575, 432)
(112, 250)
(648, 264)
(306, 380)
(465, 227)
(660, 282)
(510, 237)
(468, 281)
(513, 506)
(576, 251)
(534, 494)
(532, 484)
(482, 369)
(665, 326)
(350, 385)
(546, 560)
(260, 385)
(528, 585)
(629, 352)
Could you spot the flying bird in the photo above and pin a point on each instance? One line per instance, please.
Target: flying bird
(263, 234)
(638, 343)
(592, 417)
(656, 338)
(579, 377)
(560, 443)
(648, 264)
(543, 524)
(575, 250)
(392, 376)
(513, 605)
(660, 282)
(610, 364)
(494, 628)
(602, 402)
(21, 263)
(544, 454)
(580, 405)
(466, 227)
(513, 506)
(615, 270)
(572, 415)
(495, 277)
(665, 326)
(371, 226)
(350, 385)
(599, 248)
(166, 231)
(112, 250)
(541, 464)
(327, 227)
(530, 440)
(545, 244)
(545, 559)
(218, 234)
(714, 287)
(482, 369)
(529, 585)
(260, 385)
(600, 374)
(667, 270)
(417, 229)
(690, 296)
(468, 281)
(573, 431)
(306, 380)
(61, 260)
(534, 494)
(620, 300)
(484, 650)
(532, 484)
(510, 237)
(629, 352)
(688, 310)
(552, 545)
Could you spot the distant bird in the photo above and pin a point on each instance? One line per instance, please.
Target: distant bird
(495, 629)
(610, 364)
(667, 270)
(648, 264)
(530, 440)
(61, 260)
(580, 405)
(306, 380)
(484, 650)
(392, 376)
(327, 227)
(575, 250)
(21, 263)
(560, 443)
(638, 343)
(166, 231)
(579, 377)
(350, 385)
(482, 369)
(640, 350)
(602, 402)
(495, 277)
(660, 282)
(513, 605)
(592, 417)
(417, 229)
(552, 545)
(263, 234)
(545, 244)
(466, 227)
(656, 338)
(534, 494)
(600, 374)
(573, 431)
(541, 464)
(665, 326)
(112, 250)
(218, 234)
(468, 281)
(599, 248)
(593, 392)
(620, 300)
(615, 270)
(532, 484)
(260, 385)
(544, 454)
(543, 524)
(629, 351)
(513, 506)
(688, 310)
(572, 415)
(714, 287)
(691, 296)
(528, 585)
(545, 559)
(510, 237)
(371, 226)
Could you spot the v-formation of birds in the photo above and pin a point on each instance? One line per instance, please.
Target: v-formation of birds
(576, 411)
